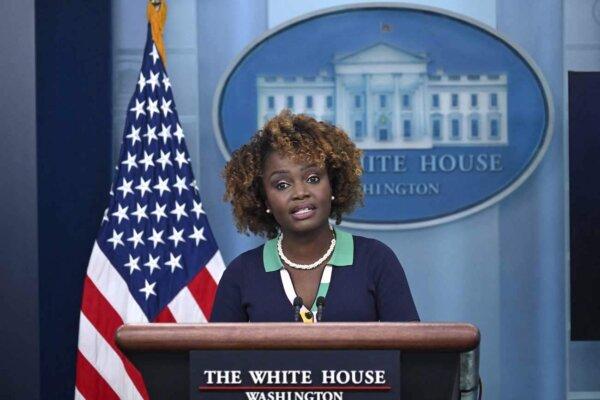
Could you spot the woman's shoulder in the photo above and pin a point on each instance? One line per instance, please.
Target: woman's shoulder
(374, 254)
(248, 258)
(369, 246)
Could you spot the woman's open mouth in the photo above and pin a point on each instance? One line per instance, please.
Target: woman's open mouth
(303, 212)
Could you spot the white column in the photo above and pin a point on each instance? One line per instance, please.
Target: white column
(421, 127)
(368, 117)
(260, 106)
(397, 110)
(340, 105)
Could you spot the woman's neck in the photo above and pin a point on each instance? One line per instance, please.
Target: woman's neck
(306, 247)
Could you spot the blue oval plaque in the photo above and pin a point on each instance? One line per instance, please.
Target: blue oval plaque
(451, 117)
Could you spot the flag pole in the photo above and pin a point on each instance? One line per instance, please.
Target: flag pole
(157, 17)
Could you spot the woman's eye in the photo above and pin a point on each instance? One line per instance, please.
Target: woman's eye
(282, 185)
(313, 179)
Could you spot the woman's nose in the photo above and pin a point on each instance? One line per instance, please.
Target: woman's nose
(300, 190)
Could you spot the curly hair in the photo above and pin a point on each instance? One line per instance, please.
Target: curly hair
(303, 139)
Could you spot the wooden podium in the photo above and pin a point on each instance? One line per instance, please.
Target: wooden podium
(438, 361)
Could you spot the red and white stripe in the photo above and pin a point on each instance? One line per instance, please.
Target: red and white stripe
(103, 372)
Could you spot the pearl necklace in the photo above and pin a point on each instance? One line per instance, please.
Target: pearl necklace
(304, 266)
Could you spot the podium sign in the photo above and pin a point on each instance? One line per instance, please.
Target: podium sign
(435, 361)
(295, 374)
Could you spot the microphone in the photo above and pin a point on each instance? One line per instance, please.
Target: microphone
(320, 305)
(297, 306)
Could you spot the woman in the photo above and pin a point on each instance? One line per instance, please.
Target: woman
(285, 184)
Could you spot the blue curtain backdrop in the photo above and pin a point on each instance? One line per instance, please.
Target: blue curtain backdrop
(502, 269)
(73, 71)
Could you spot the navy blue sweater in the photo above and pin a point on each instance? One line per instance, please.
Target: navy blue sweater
(372, 288)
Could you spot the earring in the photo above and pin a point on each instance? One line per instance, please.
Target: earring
(268, 211)
(332, 198)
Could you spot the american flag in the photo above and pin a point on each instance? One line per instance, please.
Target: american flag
(155, 258)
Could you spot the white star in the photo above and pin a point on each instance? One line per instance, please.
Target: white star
(154, 53)
(198, 235)
(105, 216)
(148, 289)
(142, 82)
(180, 185)
(147, 160)
(180, 159)
(178, 133)
(126, 187)
(136, 238)
(130, 162)
(176, 237)
(159, 212)
(174, 262)
(152, 107)
(139, 108)
(153, 81)
(121, 213)
(197, 209)
(151, 134)
(194, 184)
(166, 106)
(152, 263)
(164, 159)
(133, 264)
(179, 210)
(162, 185)
(144, 187)
(167, 82)
(156, 237)
(116, 239)
(134, 135)
(165, 133)
(140, 212)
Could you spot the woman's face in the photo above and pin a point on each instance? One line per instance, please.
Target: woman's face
(299, 195)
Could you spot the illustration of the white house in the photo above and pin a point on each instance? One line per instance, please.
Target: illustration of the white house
(383, 97)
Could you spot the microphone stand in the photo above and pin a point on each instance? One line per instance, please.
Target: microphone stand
(320, 305)
(297, 307)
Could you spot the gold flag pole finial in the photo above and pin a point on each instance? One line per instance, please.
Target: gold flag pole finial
(157, 16)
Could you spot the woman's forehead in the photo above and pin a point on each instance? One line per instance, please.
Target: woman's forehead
(281, 161)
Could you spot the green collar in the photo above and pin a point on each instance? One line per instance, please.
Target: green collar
(343, 254)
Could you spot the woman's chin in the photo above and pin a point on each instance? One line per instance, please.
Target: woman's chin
(306, 225)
